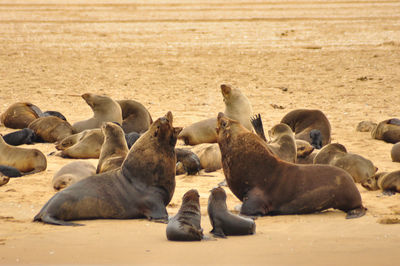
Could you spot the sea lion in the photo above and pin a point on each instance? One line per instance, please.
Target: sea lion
(104, 108)
(114, 149)
(389, 183)
(20, 115)
(303, 121)
(223, 222)
(54, 113)
(135, 117)
(209, 155)
(366, 126)
(10, 171)
(51, 129)
(28, 161)
(387, 130)
(185, 225)
(23, 136)
(131, 138)
(237, 107)
(187, 161)
(395, 152)
(268, 185)
(304, 150)
(84, 145)
(71, 173)
(282, 142)
(141, 188)
(336, 154)
(3, 179)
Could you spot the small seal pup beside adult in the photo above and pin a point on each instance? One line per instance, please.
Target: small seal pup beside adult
(237, 107)
(141, 188)
(388, 182)
(71, 173)
(268, 185)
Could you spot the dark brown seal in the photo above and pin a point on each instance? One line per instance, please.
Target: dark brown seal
(71, 173)
(23, 136)
(223, 222)
(270, 186)
(141, 188)
(84, 145)
(114, 149)
(51, 129)
(135, 117)
(187, 162)
(395, 152)
(306, 123)
(4, 179)
(389, 183)
(20, 115)
(387, 130)
(185, 225)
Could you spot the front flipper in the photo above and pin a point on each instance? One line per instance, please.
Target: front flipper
(254, 204)
(51, 220)
(258, 126)
(356, 213)
(218, 232)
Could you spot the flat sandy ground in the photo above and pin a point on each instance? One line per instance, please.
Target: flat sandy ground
(342, 57)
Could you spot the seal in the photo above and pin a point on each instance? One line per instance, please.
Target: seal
(141, 188)
(304, 152)
(303, 121)
(104, 108)
(357, 166)
(23, 136)
(366, 126)
(395, 152)
(135, 117)
(28, 161)
(388, 182)
(131, 138)
(185, 225)
(387, 130)
(187, 161)
(114, 149)
(3, 179)
(237, 107)
(282, 142)
(84, 145)
(71, 173)
(20, 115)
(51, 129)
(223, 222)
(10, 171)
(54, 113)
(209, 155)
(268, 185)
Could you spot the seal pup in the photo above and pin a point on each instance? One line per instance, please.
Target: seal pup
(282, 142)
(114, 149)
(71, 173)
(3, 179)
(366, 126)
(303, 121)
(131, 138)
(389, 183)
(28, 161)
(84, 145)
(135, 117)
(51, 129)
(304, 152)
(336, 154)
(387, 130)
(185, 225)
(141, 188)
(104, 109)
(54, 113)
(223, 222)
(237, 107)
(23, 136)
(209, 155)
(187, 162)
(395, 152)
(20, 115)
(10, 171)
(268, 185)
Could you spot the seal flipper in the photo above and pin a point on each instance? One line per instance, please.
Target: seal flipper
(218, 232)
(356, 213)
(51, 220)
(258, 126)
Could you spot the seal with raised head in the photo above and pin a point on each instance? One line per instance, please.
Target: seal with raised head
(51, 129)
(141, 188)
(28, 161)
(237, 107)
(104, 109)
(303, 121)
(20, 115)
(71, 173)
(387, 130)
(187, 162)
(135, 117)
(23, 136)
(388, 182)
(357, 166)
(268, 185)
(223, 222)
(185, 225)
(395, 152)
(114, 149)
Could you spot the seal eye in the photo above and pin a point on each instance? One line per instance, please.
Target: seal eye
(223, 124)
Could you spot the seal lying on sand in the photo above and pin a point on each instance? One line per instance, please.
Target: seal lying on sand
(270, 186)
(54, 113)
(223, 222)
(141, 188)
(187, 162)
(365, 126)
(10, 171)
(237, 107)
(23, 136)
(387, 130)
(71, 173)
(3, 179)
(357, 166)
(51, 129)
(135, 117)
(20, 115)
(389, 183)
(395, 152)
(209, 155)
(84, 145)
(185, 225)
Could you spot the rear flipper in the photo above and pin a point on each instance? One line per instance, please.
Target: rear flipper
(51, 220)
(218, 232)
(356, 213)
(258, 126)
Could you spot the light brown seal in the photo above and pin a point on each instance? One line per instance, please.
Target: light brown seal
(20, 115)
(387, 130)
(282, 142)
(268, 185)
(28, 161)
(104, 109)
(51, 129)
(365, 126)
(395, 152)
(84, 145)
(135, 117)
(114, 149)
(389, 183)
(336, 154)
(305, 152)
(209, 155)
(237, 107)
(71, 173)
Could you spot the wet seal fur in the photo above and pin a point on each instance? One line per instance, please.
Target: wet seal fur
(387, 130)
(389, 183)
(237, 107)
(223, 222)
(51, 129)
(269, 186)
(71, 173)
(135, 117)
(104, 109)
(357, 166)
(395, 152)
(186, 224)
(10, 171)
(303, 121)
(141, 188)
(54, 113)
(23, 136)
(20, 115)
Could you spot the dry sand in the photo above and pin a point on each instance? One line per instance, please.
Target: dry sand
(342, 57)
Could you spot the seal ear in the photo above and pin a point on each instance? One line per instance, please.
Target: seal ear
(169, 117)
